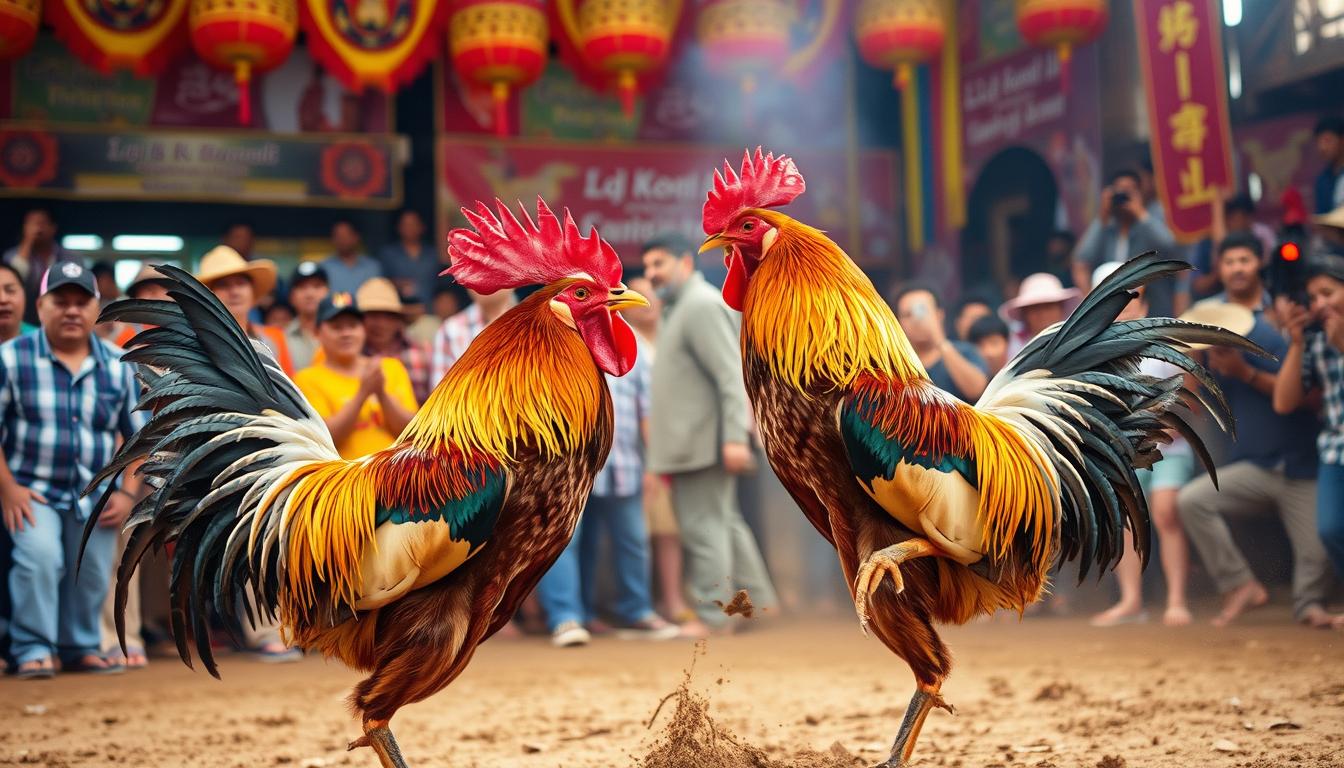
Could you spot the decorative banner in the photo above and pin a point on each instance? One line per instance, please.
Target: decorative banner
(143, 36)
(380, 43)
(632, 194)
(50, 85)
(1180, 46)
(342, 170)
(1281, 152)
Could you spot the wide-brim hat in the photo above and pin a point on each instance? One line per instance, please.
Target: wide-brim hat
(148, 273)
(1220, 314)
(222, 261)
(1040, 288)
(378, 294)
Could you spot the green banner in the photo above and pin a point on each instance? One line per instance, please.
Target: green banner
(53, 86)
(333, 170)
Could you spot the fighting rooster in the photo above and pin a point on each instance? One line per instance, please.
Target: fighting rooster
(964, 507)
(402, 562)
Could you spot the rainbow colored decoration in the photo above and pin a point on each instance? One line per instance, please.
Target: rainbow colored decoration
(380, 44)
(143, 36)
(500, 45)
(246, 38)
(619, 43)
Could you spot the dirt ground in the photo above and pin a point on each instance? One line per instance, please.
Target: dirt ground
(1040, 693)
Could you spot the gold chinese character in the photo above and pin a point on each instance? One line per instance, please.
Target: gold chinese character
(1189, 128)
(1183, 75)
(1195, 191)
(1177, 25)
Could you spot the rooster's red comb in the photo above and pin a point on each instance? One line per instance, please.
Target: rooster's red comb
(765, 181)
(502, 253)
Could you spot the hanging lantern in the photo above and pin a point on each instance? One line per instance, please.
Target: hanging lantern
(1062, 25)
(746, 39)
(621, 40)
(246, 37)
(373, 43)
(899, 34)
(500, 45)
(19, 20)
(143, 36)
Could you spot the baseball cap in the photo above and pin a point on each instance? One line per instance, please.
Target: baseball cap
(307, 269)
(336, 305)
(68, 273)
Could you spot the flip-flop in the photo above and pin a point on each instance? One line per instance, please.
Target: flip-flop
(34, 673)
(80, 665)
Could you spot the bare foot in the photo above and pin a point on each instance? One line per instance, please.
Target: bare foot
(1120, 613)
(1252, 594)
(1176, 616)
(1317, 617)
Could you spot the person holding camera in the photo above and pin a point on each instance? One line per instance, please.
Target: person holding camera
(953, 365)
(1315, 360)
(1123, 229)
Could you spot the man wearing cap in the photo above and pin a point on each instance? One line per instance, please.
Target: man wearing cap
(65, 399)
(1270, 467)
(307, 288)
(385, 332)
(238, 283)
(365, 401)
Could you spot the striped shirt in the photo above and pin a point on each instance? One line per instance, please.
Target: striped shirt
(623, 474)
(60, 429)
(1323, 366)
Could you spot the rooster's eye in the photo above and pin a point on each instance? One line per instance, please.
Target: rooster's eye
(581, 293)
(747, 226)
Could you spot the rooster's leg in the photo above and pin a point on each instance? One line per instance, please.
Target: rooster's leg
(925, 699)
(378, 735)
(880, 563)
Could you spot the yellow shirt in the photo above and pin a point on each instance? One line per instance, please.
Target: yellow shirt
(328, 391)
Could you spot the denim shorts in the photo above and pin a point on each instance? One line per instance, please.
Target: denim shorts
(1169, 474)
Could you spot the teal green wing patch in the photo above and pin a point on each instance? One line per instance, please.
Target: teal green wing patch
(471, 516)
(875, 450)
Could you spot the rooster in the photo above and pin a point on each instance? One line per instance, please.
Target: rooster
(402, 562)
(964, 507)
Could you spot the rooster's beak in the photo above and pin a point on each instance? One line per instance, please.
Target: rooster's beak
(714, 241)
(624, 298)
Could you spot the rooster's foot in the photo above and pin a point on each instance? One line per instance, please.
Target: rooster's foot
(378, 736)
(878, 565)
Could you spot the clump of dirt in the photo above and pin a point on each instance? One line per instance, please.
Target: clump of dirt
(1111, 761)
(692, 737)
(740, 604)
(1054, 692)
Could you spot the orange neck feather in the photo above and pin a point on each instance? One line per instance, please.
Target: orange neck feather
(815, 318)
(527, 380)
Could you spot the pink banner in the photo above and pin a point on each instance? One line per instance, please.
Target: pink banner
(1280, 151)
(632, 194)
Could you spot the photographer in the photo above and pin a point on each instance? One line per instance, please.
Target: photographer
(1123, 229)
(1315, 358)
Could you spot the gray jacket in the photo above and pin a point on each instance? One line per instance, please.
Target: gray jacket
(1099, 245)
(699, 401)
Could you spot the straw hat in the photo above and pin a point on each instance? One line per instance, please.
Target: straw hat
(148, 274)
(378, 294)
(222, 261)
(1040, 288)
(1220, 314)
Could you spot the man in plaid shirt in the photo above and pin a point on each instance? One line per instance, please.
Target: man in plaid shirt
(65, 398)
(458, 331)
(567, 591)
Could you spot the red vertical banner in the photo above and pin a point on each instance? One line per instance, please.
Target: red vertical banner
(1180, 47)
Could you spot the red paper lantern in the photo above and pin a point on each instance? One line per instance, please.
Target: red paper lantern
(899, 34)
(19, 20)
(246, 36)
(621, 40)
(745, 38)
(1062, 25)
(500, 45)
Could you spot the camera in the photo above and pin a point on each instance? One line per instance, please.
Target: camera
(1119, 201)
(1288, 274)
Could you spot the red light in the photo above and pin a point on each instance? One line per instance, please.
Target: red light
(1289, 252)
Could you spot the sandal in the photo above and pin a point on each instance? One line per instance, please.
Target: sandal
(94, 664)
(134, 658)
(36, 669)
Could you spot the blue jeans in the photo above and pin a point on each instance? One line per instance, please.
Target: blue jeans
(1330, 512)
(53, 611)
(622, 519)
(559, 591)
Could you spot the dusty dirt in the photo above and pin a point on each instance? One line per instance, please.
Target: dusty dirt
(739, 605)
(1036, 694)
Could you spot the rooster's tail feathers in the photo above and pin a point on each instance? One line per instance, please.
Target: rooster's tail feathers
(1077, 390)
